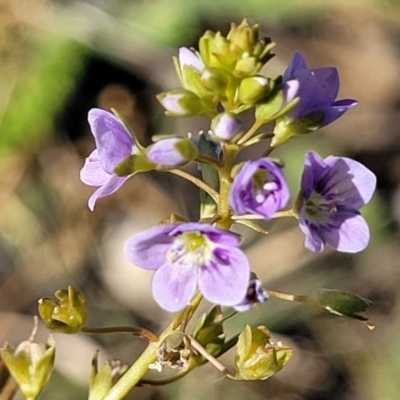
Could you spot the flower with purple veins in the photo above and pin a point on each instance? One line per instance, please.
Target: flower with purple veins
(113, 144)
(317, 107)
(255, 295)
(317, 90)
(259, 188)
(332, 192)
(188, 255)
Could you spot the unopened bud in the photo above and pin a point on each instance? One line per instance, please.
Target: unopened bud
(253, 89)
(172, 152)
(181, 103)
(226, 126)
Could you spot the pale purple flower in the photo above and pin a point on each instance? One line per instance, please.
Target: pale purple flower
(332, 192)
(188, 255)
(255, 295)
(172, 152)
(259, 188)
(317, 89)
(113, 144)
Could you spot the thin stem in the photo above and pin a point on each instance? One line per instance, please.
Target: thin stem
(268, 151)
(249, 133)
(140, 332)
(286, 296)
(212, 360)
(196, 181)
(204, 158)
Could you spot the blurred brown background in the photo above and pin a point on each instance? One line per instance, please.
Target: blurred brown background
(60, 58)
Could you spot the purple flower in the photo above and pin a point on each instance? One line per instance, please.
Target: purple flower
(255, 295)
(187, 255)
(259, 188)
(332, 192)
(317, 90)
(113, 144)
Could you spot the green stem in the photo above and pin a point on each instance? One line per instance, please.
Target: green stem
(268, 151)
(140, 367)
(203, 158)
(249, 133)
(196, 181)
(287, 296)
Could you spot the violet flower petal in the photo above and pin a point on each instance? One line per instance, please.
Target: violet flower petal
(174, 286)
(92, 173)
(111, 186)
(113, 142)
(352, 235)
(148, 249)
(226, 278)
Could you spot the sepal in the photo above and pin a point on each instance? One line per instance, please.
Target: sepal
(134, 164)
(286, 128)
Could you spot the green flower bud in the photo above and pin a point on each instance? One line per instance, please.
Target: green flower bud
(30, 364)
(257, 358)
(209, 332)
(253, 89)
(67, 313)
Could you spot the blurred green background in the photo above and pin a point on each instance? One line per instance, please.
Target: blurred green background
(60, 58)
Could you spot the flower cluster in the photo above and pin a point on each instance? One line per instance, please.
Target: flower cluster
(220, 81)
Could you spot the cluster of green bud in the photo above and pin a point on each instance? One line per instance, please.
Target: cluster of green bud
(67, 313)
(222, 73)
(241, 54)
